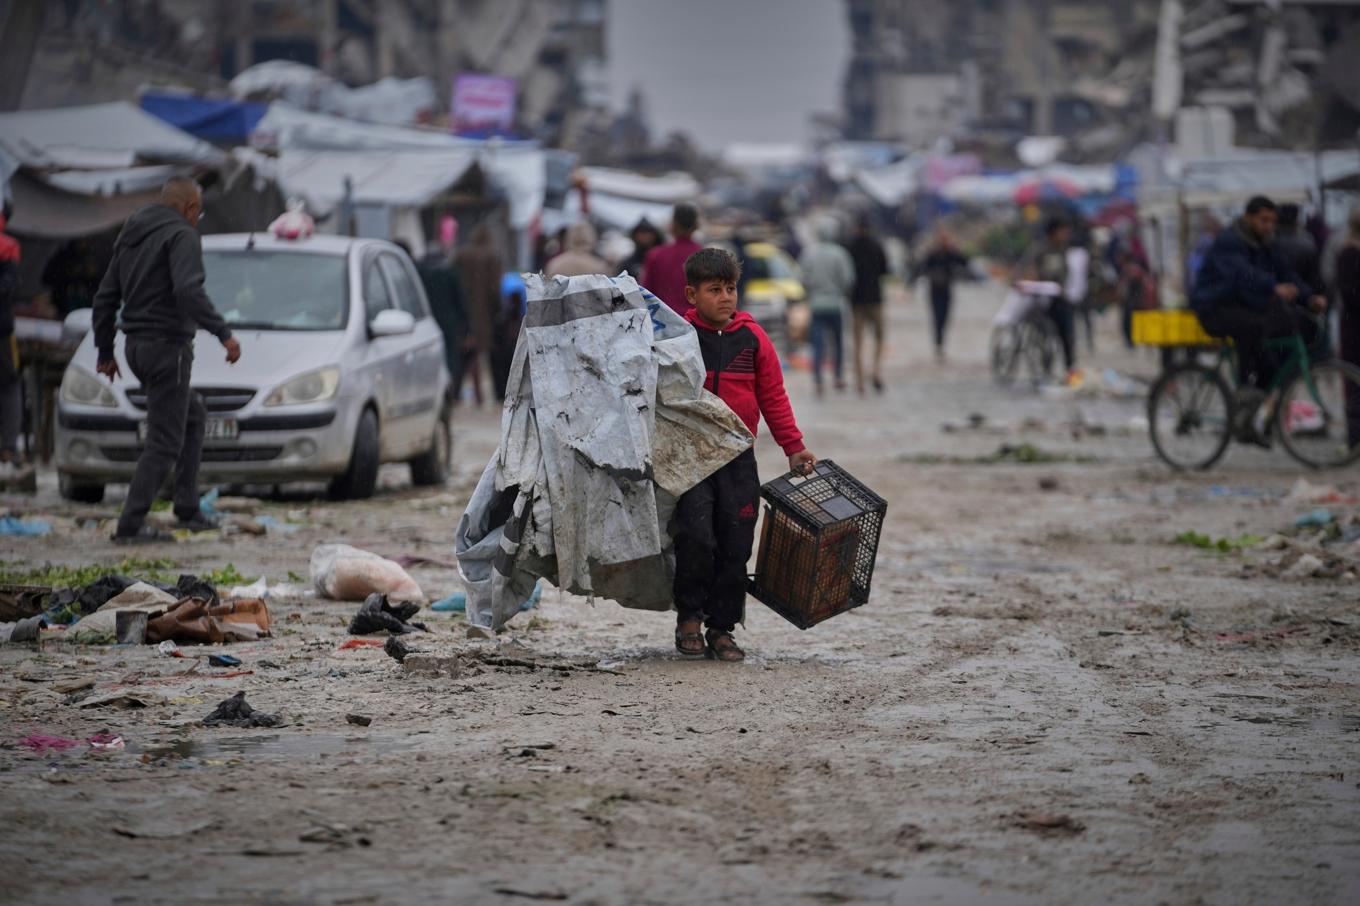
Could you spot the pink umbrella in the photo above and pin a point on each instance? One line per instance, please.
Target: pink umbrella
(1046, 189)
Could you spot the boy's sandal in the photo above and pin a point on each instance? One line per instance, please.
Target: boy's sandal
(722, 647)
(690, 642)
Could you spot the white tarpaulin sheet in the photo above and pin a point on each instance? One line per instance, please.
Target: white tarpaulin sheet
(606, 423)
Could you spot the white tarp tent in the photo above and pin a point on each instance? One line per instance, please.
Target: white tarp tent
(516, 167)
(73, 171)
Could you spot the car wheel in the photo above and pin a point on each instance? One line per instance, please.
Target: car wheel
(361, 477)
(77, 491)
(432, 466)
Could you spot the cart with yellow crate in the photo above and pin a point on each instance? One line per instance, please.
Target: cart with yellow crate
(1195, 408)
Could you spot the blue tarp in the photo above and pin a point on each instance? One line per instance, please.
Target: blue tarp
(211, 119)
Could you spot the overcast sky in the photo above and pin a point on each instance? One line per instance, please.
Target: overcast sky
(729, 70)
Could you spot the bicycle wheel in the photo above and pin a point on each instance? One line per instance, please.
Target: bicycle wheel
(1038, 348)
(1005, 353)
(1190, 413)
(1318, 415)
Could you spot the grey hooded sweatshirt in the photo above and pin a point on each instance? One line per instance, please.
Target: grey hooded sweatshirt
(157, 276)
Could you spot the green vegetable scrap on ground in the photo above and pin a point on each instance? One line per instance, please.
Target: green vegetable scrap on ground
(1222, 545)
(227, 575)
(53, 575)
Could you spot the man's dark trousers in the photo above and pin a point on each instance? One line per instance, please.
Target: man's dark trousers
(175, 420)
(1250, 328)
(715, 526)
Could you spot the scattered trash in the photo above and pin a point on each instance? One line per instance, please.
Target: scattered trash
(29, 528)
(360, 643)
(101, 627)
(192, 620)
(1020, 454)
(1304, 491)
(359, 720)
(345, 573)
(223, 660)
(1316, 517)
(457, 602)
(1222, 545)
(79, 684)
(454, 603)
(105, 742)
(1048, 483)
(377, 614)
(396, 648)
(41, 743)
(169, 649)
(25, 630)
(1305, 567)
(236, 712)
(256, 589)
(130, 626)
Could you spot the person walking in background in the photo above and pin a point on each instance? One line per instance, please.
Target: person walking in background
(866, 301)
(445, 291)
(1297, 247)
(828, 277)
(479, 268)
(72, 276)
(645, 238)
(1348, 293)
(505, 336)
(11, 397)
(663, 273)
(156, 278)
(942, 266)
(579, 256)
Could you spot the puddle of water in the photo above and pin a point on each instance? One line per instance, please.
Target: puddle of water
(271, 745)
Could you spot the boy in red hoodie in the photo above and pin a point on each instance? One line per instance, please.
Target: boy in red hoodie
(716, 520)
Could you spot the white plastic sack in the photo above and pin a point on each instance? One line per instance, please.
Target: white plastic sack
(345, 573)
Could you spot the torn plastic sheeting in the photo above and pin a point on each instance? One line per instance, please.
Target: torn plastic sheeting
(606, 423)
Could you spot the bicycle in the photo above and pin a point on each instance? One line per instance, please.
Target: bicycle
(1023, 335)
(1312, 408)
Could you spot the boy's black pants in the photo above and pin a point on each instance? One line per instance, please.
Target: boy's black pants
(715, 526)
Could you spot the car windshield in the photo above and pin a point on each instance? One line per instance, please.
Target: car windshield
(278, 291)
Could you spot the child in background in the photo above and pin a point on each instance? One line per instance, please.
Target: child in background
(716, 519)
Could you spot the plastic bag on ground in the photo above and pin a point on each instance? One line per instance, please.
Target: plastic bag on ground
(345, 573)
(101, 627)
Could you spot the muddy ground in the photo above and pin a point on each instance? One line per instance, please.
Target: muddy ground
(1045, 700)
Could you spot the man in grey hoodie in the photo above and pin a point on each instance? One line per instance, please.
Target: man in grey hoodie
(156, 275)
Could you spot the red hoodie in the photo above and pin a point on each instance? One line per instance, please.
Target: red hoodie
(743, 370)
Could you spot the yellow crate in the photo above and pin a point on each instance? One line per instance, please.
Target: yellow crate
(1170, 327)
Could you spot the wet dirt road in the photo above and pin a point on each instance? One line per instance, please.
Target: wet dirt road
(1045, 700)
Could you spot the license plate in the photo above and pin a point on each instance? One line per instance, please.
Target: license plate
(214, 429)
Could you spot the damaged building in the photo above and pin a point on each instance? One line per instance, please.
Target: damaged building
(1286, 72)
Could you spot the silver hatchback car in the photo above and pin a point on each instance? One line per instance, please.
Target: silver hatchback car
(342, 369)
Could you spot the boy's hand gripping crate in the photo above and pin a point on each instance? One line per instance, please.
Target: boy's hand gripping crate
(817, 545)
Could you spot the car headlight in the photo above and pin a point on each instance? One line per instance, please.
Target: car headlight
(312, 387)
(79, 386)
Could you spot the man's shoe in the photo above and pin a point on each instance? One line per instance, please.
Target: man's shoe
(145, 535)
(198, 523)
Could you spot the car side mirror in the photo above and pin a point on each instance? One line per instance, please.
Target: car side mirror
(392, 322)
(77, 324)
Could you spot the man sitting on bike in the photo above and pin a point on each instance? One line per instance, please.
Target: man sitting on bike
(1247, 291)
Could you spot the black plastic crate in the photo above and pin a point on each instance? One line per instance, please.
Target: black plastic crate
(817, 545)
